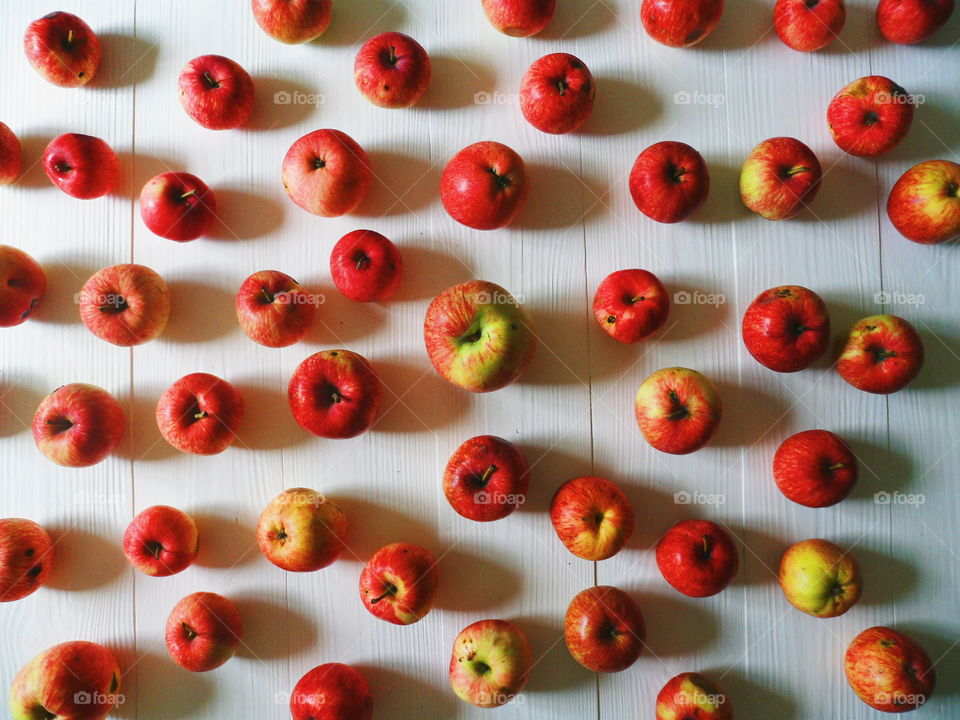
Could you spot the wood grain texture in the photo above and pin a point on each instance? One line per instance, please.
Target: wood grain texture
(572, 414)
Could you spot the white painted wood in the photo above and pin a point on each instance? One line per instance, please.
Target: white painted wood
(572, 413)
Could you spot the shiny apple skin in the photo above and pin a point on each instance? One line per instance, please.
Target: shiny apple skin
(691, 695)
(630, 305)
(82, 166)
(293, 21)
(332, 691)
(883, 354)
(327, 173)
(27, 556)
(62, 49)
(604, 629)
(273, 309)
(815, 468)
(680, 23)
(820, 578)
(301, 530)
(392, 70)
(484, 186)
(889, 671)
(125, 305)
(906, 22)
(366, 266)
(678, 410)
(697, 557)
(592, 517)
(779, 178)
(178, 206)
(22, 286)
(200, 414)
(486, 479)
(786, 328)
(399, 583)
(335, 394)
(490, 663)
(807, 27)
(924, 203)
(216, 92)
(557, 94)
(161, 541)
(870, 116)
(78, 425)
(669, 181)
(11, 155)
(519, 18)
(203, 631)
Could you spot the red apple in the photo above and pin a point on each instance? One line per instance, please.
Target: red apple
(631, 304)
(332, 691)
(26, 558)
(819, 578)
(22, 285)
(484, 186)
(478, 336)
(909, 21)
(592, 517)
(302, 531)
(604, 629)
(203, 631)
(177, 206)
(78, 425)
(161, 541)
(924, 204)
(697, 557)
(392, 70)
(669, 181)
(11, 155)
(216, 92)
(678, 410)
(889, 671)
(786, 328)
(366, 266)
(870, 116)
(490, 663)
(63, 49)
(75, 680)
(556, 93)
(691, 695)
(519, 18)
(327, 173)
(83, 166)
(335, 394)
(883, 354)
(399, 582)
(293, 21)
(780, 176)
(274, 309)
(486, 479)
(680, 23)
(200, 414)
(808, 25)
(815, 468)
(125, 305)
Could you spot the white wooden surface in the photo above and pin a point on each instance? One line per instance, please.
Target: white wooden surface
(571, 414)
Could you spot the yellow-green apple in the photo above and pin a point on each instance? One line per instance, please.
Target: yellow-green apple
(697, 557)
(909, 21)
(399, 582)
(678, 410)
(631, 304)
(786, 328)
(216, 92)
(519, 18)
(22, 285)
(11, 155)
(820, 578)
(76, 680)
(592, 517)
(889, 671)
(870, 116)
(78, 425)
(293, 21)
(26, 558)
(691, 695)
(556, 93)
(327, 173)
(302, 530)
(82, 166)
(161, 541)
(335, 394)
(200, 414)
(484, 186)
(883, 354)
(332, 691)
(669, 181)
(808, 25)
(203, 631)
(366, 266)
(604, 629)
(780, 176)
(274, 309)
(680, 23)
(815, 468)
(177, 206)
(125, 305)
(392, 70)
(924, 204)
(486, 478)
(490, 663)
(478, 336)
(63, 49)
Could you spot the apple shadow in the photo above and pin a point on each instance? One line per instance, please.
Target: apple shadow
(666, 636)
(415, 399)
(571, 22)
(59, 305)
(759, 555)
(365, 20)
(879, 469)
(456, 82)
(749, 415)
(19, 401)
(656, 511)
(374, 525)
(941, 348)
(564, 360)
(887, 577)
(225, 542)
(280, 103)
(940, 643)
(427, 272)
(934, 129)
(264, 623)
(401, 184)
(750, 698)
(749, 26)
(695, 309)
(143, 441)
(244, 216)
(159, 682)
(723, 204)
(340, 321)
(544, 209)
(419, 699)
(550, 467)
(554, 668)
(84, 560)
(137, 168)
(33, 175)
(621, 107)
(127, 60)
(268, 422)
(472, 583)
(859, 33)
(199, 312)
(846, 189)
(945, 37)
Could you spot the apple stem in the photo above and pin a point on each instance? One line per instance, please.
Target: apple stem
(62, 166)
(114, 307)
(200, 415)
(797, 170)
(267, 295)
(837, 466)
(503, 182)
(336, 396)
(953, 190)
(363, 262)
(61, 424)
(706, 546)
(485, 478)
(638, 298)
(391, 590)
(679, 411)
(70, 36)
(191, 633)
(154, 549)
(188, 194)
(562, 87)
(209, 79)
(392, 58)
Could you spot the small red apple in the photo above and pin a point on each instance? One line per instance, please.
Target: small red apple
(332, 691)
(399, 582)
(486, 479)
(274, 310)
(786, 328)
(808, 25)
(200, 414)
(691, 695)
(678, 410)
(779, 178)
(216, 92)
(392, 70)
(924, 204)
(557, 93)
(78, 425)
(11, 155)
(83, 166)
(883, 354)
(910, 21)
(669, 181)
(519, 18)
(177, 206)
(293, 21)
(203, 631)
(680, 23)
(125, 305)
(22, 285)
(161, 541)
(484, 186)
(335, 394)
(301, 530)
(815, 468)
(327, 173)
(870, 116)
(604, 629)
(631, 304)
(63, 49)
(592, 517)
(366, 266)
(26, 558)
(697, 557)
(889, 671)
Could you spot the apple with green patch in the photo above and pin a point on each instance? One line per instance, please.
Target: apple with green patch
(490, 663)
(820, 578)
